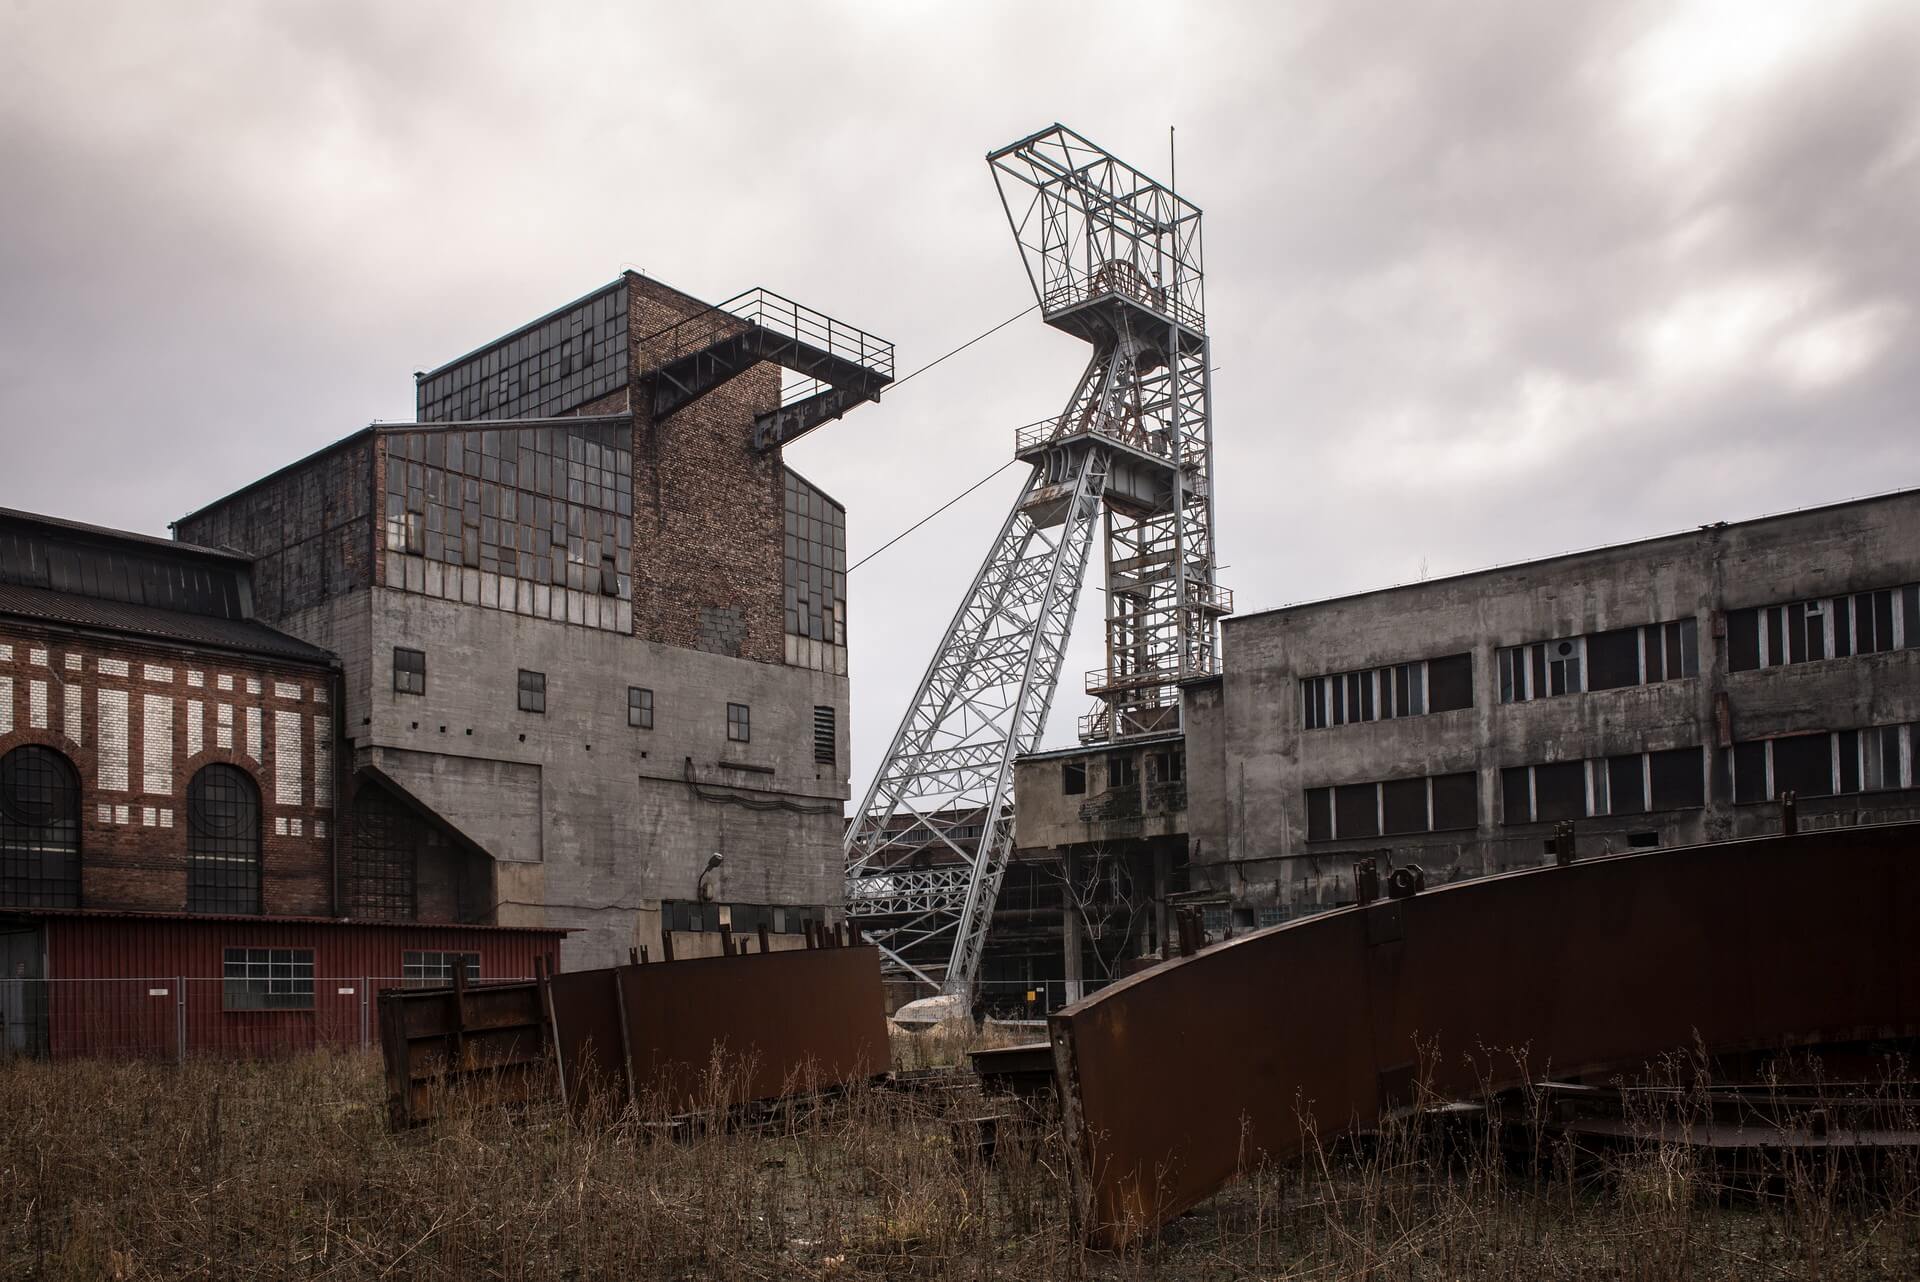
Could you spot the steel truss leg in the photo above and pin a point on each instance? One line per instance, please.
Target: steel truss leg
(945, 786)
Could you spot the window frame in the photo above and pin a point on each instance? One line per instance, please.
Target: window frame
(640, 703)
(532, 694)
(416, 971)
(739, 722)
(293, 979)
(40, 855)
(409, 677)
(208, 845)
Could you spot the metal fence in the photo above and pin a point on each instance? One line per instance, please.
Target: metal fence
(173, 1017)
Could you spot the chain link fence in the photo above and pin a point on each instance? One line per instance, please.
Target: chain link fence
(173, 1017)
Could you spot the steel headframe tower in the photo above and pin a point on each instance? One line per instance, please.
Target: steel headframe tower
(1114, 258)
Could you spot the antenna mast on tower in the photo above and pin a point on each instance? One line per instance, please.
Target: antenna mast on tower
(1114, 258)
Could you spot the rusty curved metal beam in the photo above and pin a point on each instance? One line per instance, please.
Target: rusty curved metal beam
(1170, 1079)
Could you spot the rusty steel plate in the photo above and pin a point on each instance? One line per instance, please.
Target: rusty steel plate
(779, 1022)
(1174, 1078)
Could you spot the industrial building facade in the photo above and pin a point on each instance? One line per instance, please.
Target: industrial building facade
(170, 814)
(587, 618)
(1655, 693)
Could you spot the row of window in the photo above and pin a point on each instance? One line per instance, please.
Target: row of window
(282, 978)
(1599, 661)
(40, 834)
(1382, 694)
(742, 919)
(1825, 764)
(1769, 636)
(410, 677)
(1832, 627)
(1396, 807)
(1631, 784)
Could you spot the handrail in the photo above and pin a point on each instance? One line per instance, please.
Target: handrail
(775, 313)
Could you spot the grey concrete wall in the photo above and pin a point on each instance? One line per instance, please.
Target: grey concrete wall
(593, 822)
(1250, 761)
(1108, 812)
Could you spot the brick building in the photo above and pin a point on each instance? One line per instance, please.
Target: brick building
(167, 758)
(587, 617)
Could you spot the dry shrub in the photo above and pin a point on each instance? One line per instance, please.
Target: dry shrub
(286, 1169)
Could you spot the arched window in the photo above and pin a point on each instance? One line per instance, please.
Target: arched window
(39, 829)
(223, 841)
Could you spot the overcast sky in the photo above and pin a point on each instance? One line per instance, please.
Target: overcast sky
(1485, 282)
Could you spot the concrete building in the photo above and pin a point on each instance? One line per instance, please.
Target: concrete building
(587, 617)
(1659, 692)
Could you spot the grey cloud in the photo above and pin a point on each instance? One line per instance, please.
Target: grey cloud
(1439, 237)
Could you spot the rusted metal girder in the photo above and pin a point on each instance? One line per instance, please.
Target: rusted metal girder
(441, 1039)
(780, 1023)
(1172, 1079)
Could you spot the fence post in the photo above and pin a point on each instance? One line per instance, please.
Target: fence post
(366, 986)
(180, 1019)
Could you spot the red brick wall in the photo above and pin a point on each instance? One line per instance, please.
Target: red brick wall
(133, 817)
(708, 509)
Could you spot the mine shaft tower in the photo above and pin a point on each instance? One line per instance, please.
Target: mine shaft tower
(1114, 258)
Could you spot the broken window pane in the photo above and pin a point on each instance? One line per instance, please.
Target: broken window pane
(1073, 778)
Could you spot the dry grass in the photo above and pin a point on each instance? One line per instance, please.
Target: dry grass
(287, 1170)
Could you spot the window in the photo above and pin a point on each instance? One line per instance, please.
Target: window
(1803, 765)
(409, 671)
(640, 707)
(268, 979)
(826, 742)
(1356, 810)
(1836, 627)
(223, 842)
(1540, 670)
(533, 691)
(1456, 801)
(1676, 780)
(1403, 806)
(1614, 659)
(1073, 778)
(39, 829)
(739, 723)
(1122, 771)
(1396, 807)
(1626, 785)
(1380, 694)
(435, 970)
(1560, 791)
